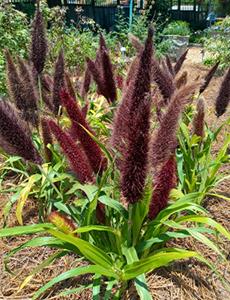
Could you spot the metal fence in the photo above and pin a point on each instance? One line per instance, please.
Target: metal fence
(192, 11)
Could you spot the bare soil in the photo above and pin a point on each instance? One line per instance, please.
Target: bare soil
(189, 280)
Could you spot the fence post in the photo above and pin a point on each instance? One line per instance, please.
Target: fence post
(93, 8)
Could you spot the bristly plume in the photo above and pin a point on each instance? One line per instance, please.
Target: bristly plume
(163, 79)
(39, 46)
(209, 77)
(14, 83)
(169, 65)
(132, 70)
(62, 222)
(134, 167)
(135, 93)
(108, 77)
(92, 150)
(15, 137)
(76, 157)
(59, 81)
(223, 97)
(69, 86)
(198, 120)
(164, 140)
(86, 82)
(102, 43)
(136, 43)
(29, 93)
(47, 82)
(47, 139)
(181, 80)
(180, 62)
(165, 180)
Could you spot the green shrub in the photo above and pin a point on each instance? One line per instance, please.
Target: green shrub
(177, 28)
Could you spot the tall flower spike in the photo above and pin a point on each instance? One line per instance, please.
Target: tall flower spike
(136, 43)
(15, 137)
(135, 93)
(223, 97)
(86, 82)
(164, 140)
(69, 86)
(132, 70)
(92, 150)
(208, 77)
(169, 65)
(181, 80)
(14, 83)
(108, 77)
(77, 158)
(134, 168)
(39, 46)
(163, 79)
(165, 180)
(47, 139)
(180, 62)
(198, 120)
(29, 93)
(47, 82)
(59, 81)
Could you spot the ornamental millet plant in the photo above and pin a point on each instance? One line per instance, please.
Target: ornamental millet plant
(120, 209)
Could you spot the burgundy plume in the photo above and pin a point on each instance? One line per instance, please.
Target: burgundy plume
(29, 93)
(15, 136)
(164, 181)
(14, 83)
(132, 70)
(76, 157)
(223, 97)
(136, 43)
(135, 93)
(134, 167)
(86, 82)
(163, 79)
(59, 81)
(164, 140)
(47, 138)
(169, 65)
(108, 77)
(39, 46)
(69, 86)
(181, 80)
(198, 120)
(209, 77)
(180, 62)
(92, 150)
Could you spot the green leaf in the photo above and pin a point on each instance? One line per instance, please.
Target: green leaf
(114, 204)
(160, 259)
(96, 228)
(69, 274)
(91, 252)
(139, 281)
(20, 230)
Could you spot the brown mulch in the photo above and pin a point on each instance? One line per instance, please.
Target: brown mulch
(186, 280)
